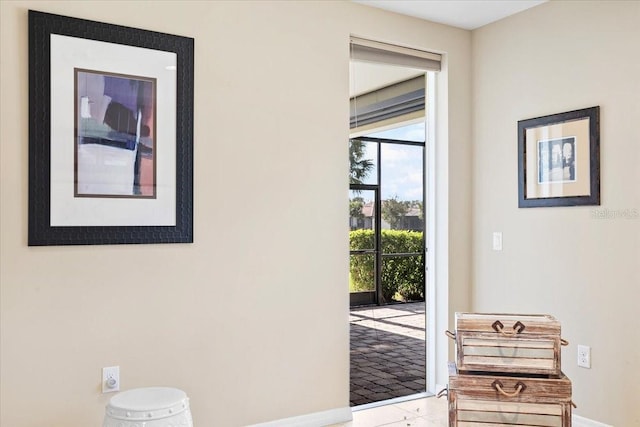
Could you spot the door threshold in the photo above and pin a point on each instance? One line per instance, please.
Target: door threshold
(391, 401)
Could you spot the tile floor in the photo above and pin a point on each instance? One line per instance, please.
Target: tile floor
(424, 412)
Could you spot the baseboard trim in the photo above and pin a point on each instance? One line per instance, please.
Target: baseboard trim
(578, 421)
(316, 419)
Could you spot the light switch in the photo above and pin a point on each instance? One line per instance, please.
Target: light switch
(497, 240)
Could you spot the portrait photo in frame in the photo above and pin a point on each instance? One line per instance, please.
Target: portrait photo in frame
(110, 133)
(559, 159)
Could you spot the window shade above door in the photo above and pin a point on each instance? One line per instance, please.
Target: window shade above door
(385, 53)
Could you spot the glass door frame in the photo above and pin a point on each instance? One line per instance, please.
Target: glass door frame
(375, 297)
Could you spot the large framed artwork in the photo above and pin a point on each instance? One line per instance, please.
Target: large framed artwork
(110, 134)
(559, 159)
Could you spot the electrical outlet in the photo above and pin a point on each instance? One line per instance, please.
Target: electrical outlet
(110, 379)
(584, 356)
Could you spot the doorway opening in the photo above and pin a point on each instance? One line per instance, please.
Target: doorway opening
(387, 195)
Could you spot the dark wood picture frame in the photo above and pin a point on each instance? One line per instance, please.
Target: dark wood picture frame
(41, 232)
(559, 159)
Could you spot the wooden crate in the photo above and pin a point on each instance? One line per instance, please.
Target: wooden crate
(508, 401)
(507, 343)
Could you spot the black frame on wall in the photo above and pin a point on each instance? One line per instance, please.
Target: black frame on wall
(589, 140)
(41, 232)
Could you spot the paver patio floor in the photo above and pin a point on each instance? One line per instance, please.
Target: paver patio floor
(387, 352)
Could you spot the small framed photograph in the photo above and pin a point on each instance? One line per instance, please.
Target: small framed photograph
(559, 159)
(110, 134)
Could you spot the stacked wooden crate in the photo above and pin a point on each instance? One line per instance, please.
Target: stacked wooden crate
(507, 372)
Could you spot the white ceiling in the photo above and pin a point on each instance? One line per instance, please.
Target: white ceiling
(466, 14)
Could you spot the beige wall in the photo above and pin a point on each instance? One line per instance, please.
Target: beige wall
(251, 319)
(558, 57)
(228, 318)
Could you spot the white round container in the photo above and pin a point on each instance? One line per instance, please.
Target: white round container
(149, 407)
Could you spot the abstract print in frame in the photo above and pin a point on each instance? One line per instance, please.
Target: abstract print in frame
(110, 134)
(115, 129)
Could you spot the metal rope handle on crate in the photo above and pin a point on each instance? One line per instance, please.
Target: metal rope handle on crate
(520, 387)
(497, 324)
(518, 327)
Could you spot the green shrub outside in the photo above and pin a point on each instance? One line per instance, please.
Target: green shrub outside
(361, 272)
(402, 277)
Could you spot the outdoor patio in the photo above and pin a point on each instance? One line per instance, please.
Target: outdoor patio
(387, 352)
